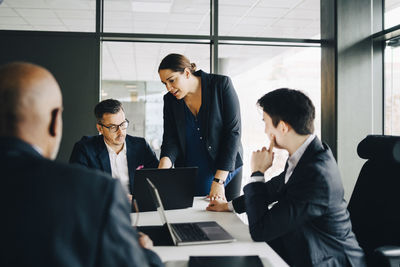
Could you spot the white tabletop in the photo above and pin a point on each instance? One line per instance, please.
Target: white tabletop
(178, 256)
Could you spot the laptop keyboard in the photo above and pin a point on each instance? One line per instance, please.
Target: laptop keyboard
(189, 232)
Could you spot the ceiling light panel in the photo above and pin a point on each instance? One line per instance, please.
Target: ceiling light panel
(158, 16)
(267, 18)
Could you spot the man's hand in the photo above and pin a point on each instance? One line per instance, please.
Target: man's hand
(130, 198)
(217, 205)
(217, 191)
(145, 241)
(262, 159)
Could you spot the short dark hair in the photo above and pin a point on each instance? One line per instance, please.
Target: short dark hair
(176, 62)
(290, 106)
(107, 106)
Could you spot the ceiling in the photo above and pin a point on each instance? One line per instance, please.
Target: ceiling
(267, 18)
(139, 61)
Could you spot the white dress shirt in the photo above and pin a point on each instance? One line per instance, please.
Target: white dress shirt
(292, 163)
(119, 166)
(295, 158)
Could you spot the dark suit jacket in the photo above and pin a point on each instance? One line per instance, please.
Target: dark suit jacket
(57, 214)
(310, 224)
(221, 127)
(92, 152)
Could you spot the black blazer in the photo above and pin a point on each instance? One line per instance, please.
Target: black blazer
(310, 224)
(57, 214)
(221, 127)
(92, 152)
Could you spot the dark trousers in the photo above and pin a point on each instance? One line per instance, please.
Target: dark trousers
(232, 189)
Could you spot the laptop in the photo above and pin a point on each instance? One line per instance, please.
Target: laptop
(195, 233)
(225, 261)
(176, 186)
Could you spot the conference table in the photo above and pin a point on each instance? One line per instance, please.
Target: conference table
(178, 256)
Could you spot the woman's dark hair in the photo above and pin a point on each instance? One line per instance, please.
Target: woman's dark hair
(290, 106)
(176, 62)
(107, 106)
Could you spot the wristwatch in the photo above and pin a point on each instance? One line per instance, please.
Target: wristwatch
(217, 180)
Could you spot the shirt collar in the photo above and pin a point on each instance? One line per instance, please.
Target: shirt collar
(294, 159)
(38, 149)
(111, 151)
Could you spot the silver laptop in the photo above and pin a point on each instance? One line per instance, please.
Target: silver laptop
(195, 233)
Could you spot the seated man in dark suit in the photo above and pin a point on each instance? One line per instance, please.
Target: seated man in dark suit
(114, 151)
(301, 213)
(55, 214)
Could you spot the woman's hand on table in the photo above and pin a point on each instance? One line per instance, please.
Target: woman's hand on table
(217, 191)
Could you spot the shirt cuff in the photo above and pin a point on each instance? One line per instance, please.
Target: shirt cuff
(256, 177)
(230, 206)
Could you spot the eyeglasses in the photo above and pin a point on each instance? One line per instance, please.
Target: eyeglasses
(114, 128)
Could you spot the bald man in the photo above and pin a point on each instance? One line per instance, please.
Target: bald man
(55, 214)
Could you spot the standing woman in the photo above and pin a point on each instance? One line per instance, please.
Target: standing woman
(202, 127)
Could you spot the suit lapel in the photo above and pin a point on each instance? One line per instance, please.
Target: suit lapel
(102, 155)
(205, 101)
(179, 114)
(314, 147)
(131, 158)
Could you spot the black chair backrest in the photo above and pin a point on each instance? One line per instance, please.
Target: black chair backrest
(375, 203)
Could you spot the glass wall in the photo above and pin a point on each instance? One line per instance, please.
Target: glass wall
(256, 70)
(392, 88)
(129, 74)
(392, 71)
(392, 13)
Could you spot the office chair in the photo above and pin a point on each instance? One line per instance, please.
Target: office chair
(375, 203)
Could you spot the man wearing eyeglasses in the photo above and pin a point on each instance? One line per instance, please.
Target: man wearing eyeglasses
(114, 151)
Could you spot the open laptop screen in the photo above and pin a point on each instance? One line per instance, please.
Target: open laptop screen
(176, 187)
(157, 200)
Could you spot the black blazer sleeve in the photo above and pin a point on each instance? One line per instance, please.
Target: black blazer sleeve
(300, 203)
(270, 189)
(149, 157)
(239, 204)
(79, 155)
(170, 143)
(231, 128)
(119, 245)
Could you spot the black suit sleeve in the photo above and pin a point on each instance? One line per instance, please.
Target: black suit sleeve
(119, 240)
(239, 204)
(231, 131)
(79, 155)
(150, 158)
(170, 143)
(271, 188)
(300, 203)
